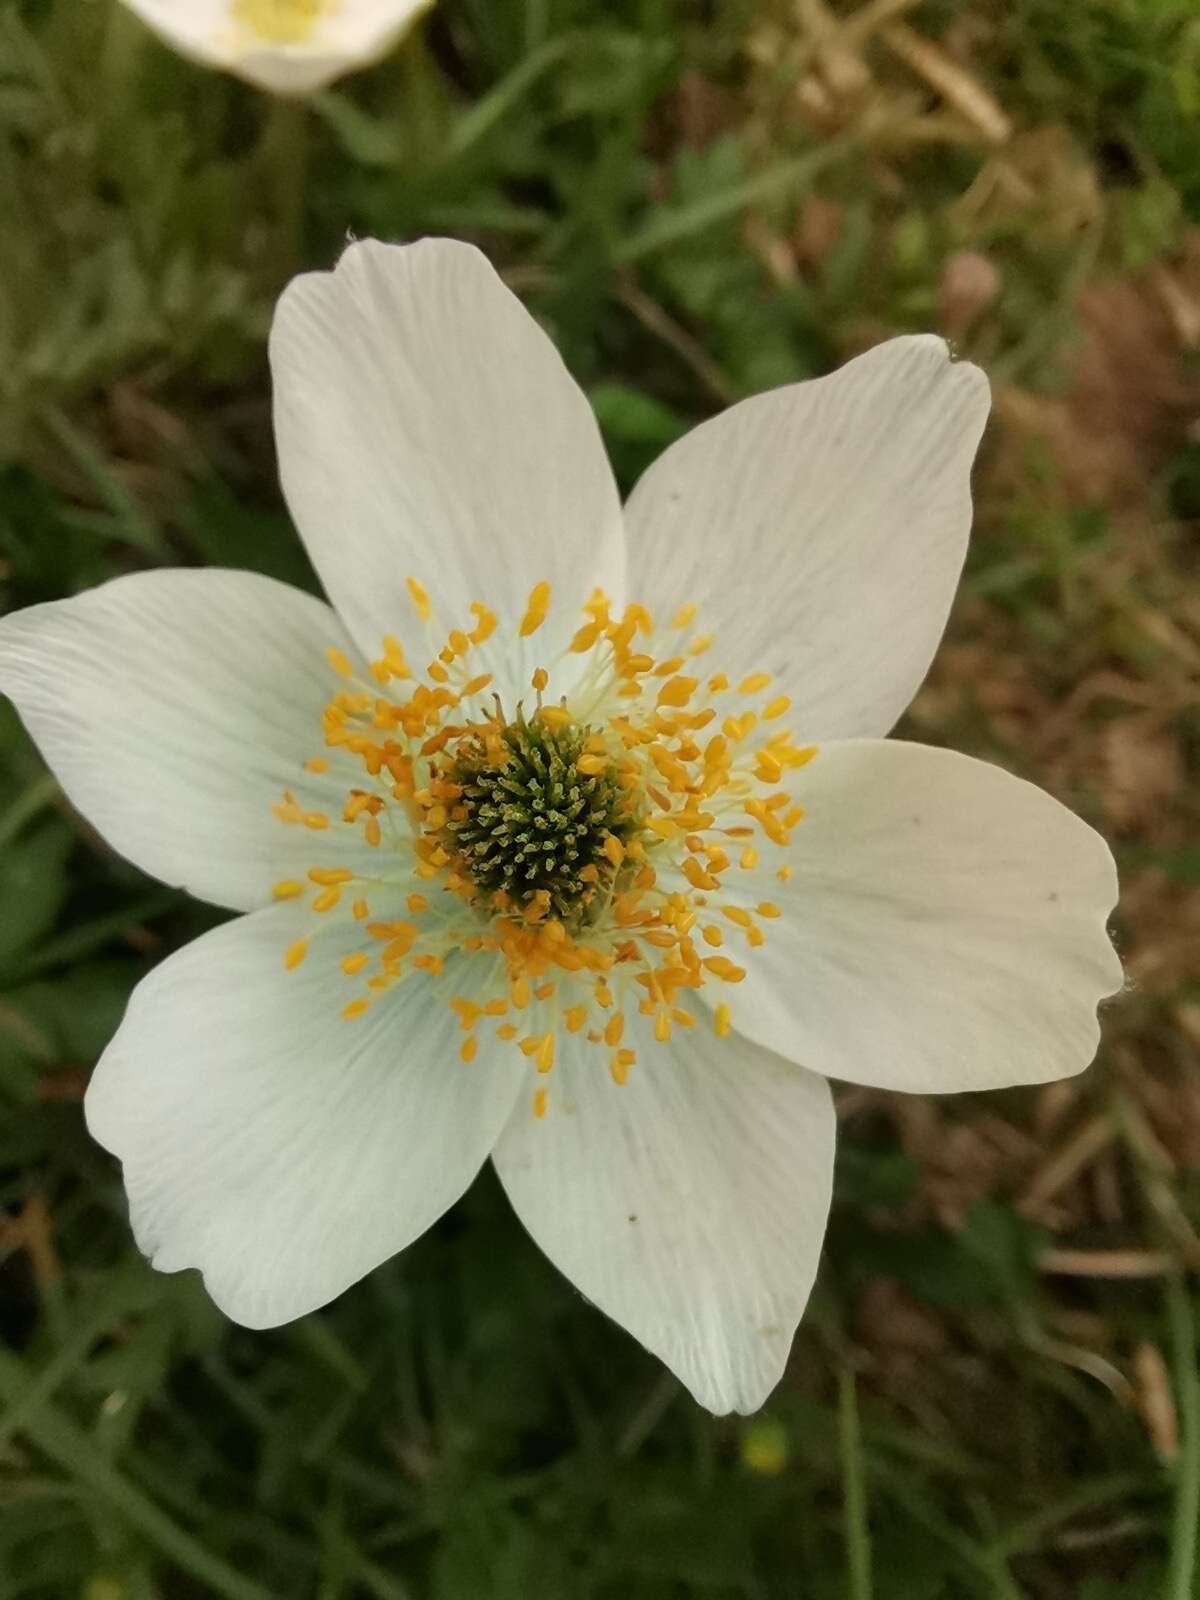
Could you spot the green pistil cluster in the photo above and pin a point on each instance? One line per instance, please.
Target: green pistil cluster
(535, 824)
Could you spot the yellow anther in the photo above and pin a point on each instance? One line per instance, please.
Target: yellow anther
(540, 679)
(536, 609)
(437, 672)
(721, 967)
(555, 716)
(393, 657)
(766, 908)
(419, 598)
(684, 615)
(467, 1049)
(736, 915)
(540, 1097)
(316, 820)
(329, 876)
(584, 638)
(575, 1017)
(775, 708)
(544, 1059)
(696, 875)
(712, 935)
(360, 910)
(287, 889)
(721, 1021)
(506, 1031)
(372, 832)
(748, 858)
(614, 1028)
(755, 682)
(327, 899)
(677, 691)
(417, 903)
(295, 954)
(485, 623)
(316, 764)
(338, 662)
(354, 1009)
(718, 682)
(618, 1067)
(614, 850)
(591, 764)
(353, 963)
(784, 874)
(476, 685)
(700, 644)
(662, 1026)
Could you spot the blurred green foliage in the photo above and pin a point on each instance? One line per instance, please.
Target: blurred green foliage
(461, 1426)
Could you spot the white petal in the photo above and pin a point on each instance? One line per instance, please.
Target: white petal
(296, 59)
(426, 426)
(688, 1203)
(821, 528)
(174, 708)
(268, 1141)
(943, 927)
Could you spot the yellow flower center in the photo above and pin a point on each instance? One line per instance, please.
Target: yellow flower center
(570, 857)
(280, 21)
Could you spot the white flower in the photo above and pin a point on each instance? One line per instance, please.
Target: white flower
(286, 46)
(638, 1029)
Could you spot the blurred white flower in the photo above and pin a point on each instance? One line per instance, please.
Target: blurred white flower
(286, 46)
(571, 894)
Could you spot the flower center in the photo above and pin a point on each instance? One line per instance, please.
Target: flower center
(531, 826)
(280, 21)
(559, 869)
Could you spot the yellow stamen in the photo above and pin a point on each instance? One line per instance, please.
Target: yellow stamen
(287, 889)
(536, 609)
(620, 1064)
(419, 599)
(295, 954)
(329, 876)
